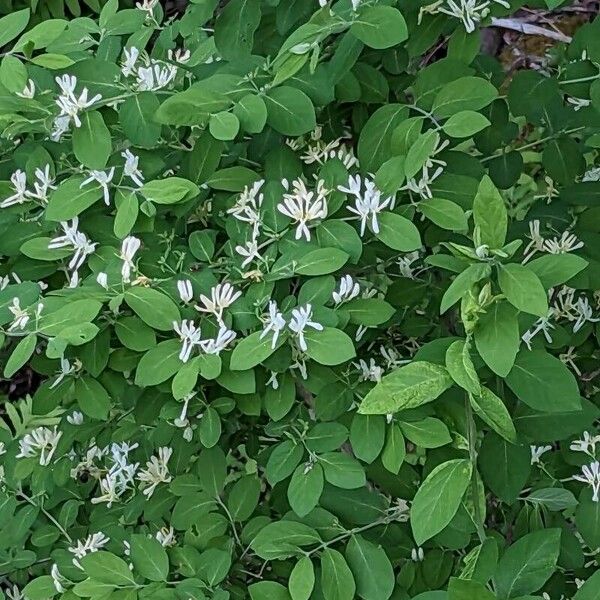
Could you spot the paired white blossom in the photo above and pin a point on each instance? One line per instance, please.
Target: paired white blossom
(567, 242)
(120, 476)
(131, 168)
(128, 64)
(190, 336)
(75, 418)
(103, 178)
(155, 76)
(166, 536)
(71, 105)
(28, 92)
(369, 371)
(586, 444)
(147, 6)
(77, 241)
(66, 368)
(303, 206)
(274, 323)
(368, 202)
(301, 319)
(18, 179)
(20, 315)
(222, 296)
(155, 472)
(180, 55)
(215, 346)
(129, 247)
(348, 290)
(590, 475)
(41, 443)
(92, 543)
(469, 12)
(537, 452)
(185, 290)
(102, 279)
(19, 184)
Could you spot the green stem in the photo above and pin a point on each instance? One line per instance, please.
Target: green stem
(472, 436)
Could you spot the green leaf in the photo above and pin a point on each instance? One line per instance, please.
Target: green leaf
(369, 311)
(13, 74)
(12, 25)
(290, 111)
(523, 289)
(465, 93)
(235, 28)
(420, 151)
(438, 498)
(543, 382)
(426, 433)
(302, 579)
(554, 269)
(394, 451)
(158, 364)
(305, 488)
(444, 213)
(170, 190)
(91, 142)
(243, 497)
(40, 588)
(191, 107)
(468, 589)
(337, 581)
(528, 563)
(465, 124)
(330, 346)
(380, 27)
(321, 262)
(409, 386)
(497, 337)
(374, 143)
(153, 307)
(223, 126)
(489, 214)
(492, 411)
(554, 499)
(398, 233)
(268, 590)
(251, 112)
(20, 355)
(342, 470)
(136, 116)
(253, 350)
(92, 398)
(462, 283)
(70, 199)
(461, 368)
(281, 539)
(107, 568)
(372, 570)
(149, 558)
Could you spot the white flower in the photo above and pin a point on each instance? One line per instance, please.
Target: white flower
(537, 451)
(274, 322)
(166, 536)
(584, 313)
(406, 267)
(542, 324)
(70, 106)
(102, 280)
(93, 543)
(222, 296)
(190, 336)
(57, 579)
(19, 184)
(43, 183)
(186, 292)
(20, 316)
(80, 244)
(301, 319)
(28, 91)
(537, 240)
(128, 64)
(368, 203)
(348, 290)
(579, 103)
(249, 251)
(120, 477)
(129, 247)
(592, 174)
(369, 371)
(41, 442)
(14, 593)
(303, 206)
(590, 474)
(75, 418)
(146, 6)
(587, 444)
(66, 368)
(422, 186)
(224, 338)
(60, 126)
(247, 206)
(470, 12)
(156, 471)
(567, 242)
(181, 55)
(103, 178)
(131, 169)
(417, 554)
(155, 76)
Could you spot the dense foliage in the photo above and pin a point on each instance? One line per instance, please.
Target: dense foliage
(298, 300)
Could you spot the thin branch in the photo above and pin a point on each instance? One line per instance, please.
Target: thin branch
(529, 29)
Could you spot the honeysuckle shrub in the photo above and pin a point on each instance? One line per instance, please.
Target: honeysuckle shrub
(298, 300)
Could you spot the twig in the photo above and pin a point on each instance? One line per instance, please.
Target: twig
(529, 29)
